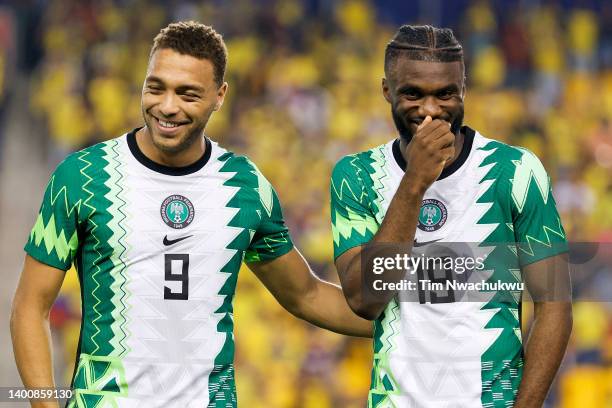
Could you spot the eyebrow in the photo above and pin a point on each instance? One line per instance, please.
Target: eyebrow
(411, 87)
(180, 88)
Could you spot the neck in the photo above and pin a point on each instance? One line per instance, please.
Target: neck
(459, 138)
(180, 158)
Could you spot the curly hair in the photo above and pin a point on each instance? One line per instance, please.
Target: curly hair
(195, 39)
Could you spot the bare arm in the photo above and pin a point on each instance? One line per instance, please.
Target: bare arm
(297, 289)
(38, 287)
(551, 328)
(429, 150)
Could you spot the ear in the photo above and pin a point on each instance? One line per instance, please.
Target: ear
(221, 96)
(386, 91)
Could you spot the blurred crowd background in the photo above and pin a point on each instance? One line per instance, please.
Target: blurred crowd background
(304, 91)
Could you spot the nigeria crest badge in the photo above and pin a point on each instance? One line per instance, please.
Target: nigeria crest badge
(432, 215)
(177, 211)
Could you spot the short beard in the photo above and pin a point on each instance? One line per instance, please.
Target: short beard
(405, 132)
(183, 145)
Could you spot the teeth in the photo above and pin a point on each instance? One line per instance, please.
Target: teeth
(167, 124)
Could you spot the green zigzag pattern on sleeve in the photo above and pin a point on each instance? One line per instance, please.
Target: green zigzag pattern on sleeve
(54, 242)
(380, 181)
(528, 173)
(528, 169)
(527, 247)
(266, 198)
(264, 188)
(47, 232)
(346, 221)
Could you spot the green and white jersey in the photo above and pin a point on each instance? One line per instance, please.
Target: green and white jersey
(157, 250)
(452, 354)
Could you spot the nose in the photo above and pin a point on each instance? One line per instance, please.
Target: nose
(169, 105)
(430, 107)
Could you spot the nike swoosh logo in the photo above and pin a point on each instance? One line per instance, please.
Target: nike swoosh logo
(174, 241)
(423, 243)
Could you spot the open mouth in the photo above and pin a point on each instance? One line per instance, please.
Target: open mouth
(167, 126)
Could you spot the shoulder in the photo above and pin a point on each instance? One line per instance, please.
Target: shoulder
(244, 174)
(359, 164)
(516, 170)
(245, 171)
(235, 162)
(93, 157)
(507, 158)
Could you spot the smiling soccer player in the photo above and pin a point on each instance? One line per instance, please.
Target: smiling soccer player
(157, 223)
(440, 181)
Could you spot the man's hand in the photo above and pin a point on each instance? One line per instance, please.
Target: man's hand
(297, 289)
(430, 149)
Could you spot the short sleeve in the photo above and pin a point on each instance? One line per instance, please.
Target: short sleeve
(353, 222)
(537, 224)
(271, 239)
(54, 237)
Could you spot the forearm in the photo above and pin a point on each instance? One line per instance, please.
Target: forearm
(401, 218)
(325, 306)
(398, 227)
(31, 338)
(544, 352)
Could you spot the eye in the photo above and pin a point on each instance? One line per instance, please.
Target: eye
(446, 94)
(154, 89)
(189, 97)
(411, 94)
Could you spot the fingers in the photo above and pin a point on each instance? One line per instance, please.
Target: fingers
(432, 129)
(440, 135)
(445, 140)
(424, 123)
(448, 153)
(434, 138)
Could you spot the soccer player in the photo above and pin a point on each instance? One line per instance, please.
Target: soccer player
(441, 181)
(157, 223)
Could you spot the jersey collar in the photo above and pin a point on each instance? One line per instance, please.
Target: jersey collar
(468, 134)
(160, 168)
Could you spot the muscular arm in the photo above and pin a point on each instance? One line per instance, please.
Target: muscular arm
(551, 328)
(38, 287)
(297, 289)
(429, 150)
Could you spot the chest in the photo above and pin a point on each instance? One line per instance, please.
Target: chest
(153, 213)
(461, 208)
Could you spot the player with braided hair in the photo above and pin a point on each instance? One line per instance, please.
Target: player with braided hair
(440, 181)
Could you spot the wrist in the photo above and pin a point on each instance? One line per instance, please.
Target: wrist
(414, 187)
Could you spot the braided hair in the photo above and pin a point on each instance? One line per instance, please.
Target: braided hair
(423, 43)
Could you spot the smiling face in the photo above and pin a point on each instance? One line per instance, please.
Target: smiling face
(178, 97)
(417, 89)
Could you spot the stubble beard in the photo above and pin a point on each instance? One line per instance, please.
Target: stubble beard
(183, 144)
(405, 132)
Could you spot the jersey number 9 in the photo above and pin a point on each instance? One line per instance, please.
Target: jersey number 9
(182, 276)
